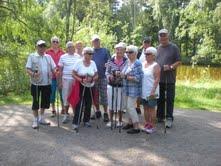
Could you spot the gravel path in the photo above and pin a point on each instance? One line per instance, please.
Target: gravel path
(195, 139)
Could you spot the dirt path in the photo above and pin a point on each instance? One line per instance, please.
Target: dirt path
(195, 139)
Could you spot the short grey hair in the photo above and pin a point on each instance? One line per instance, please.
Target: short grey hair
(55, 38)
(132, 48)
(88, 50)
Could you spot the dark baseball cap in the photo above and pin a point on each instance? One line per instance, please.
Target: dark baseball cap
(147, 39)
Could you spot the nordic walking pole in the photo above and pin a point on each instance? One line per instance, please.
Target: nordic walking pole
(115, 125)
(93, 106)
(37, 97)
(165, 109)
(81, 107)
(112, 107)
(120, 111)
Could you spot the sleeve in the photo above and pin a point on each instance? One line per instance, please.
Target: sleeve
(177, 53)
(60, 62)
(94, 66)
(108, 70)
(138, 72)
(76, 66)
(29, 64)
(108, 55)
(53, 66)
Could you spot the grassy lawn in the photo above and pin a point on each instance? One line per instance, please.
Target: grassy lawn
(198, 95)
(189, 95)
(11, 98)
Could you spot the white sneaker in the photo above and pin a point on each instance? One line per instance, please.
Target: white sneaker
(43, 122)
(65, 119)
(151, 130)
(74, 127)
(108, 124)
(119, 124)
(34, 124)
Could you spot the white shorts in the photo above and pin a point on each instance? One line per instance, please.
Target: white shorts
(117, 98)
(66, 89)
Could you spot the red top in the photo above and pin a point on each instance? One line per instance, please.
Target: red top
(55, 56)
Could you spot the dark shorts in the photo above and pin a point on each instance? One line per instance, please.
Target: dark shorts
(149, 103)
(40, 94)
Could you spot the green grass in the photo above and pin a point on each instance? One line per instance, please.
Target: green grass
(189, 95)
(198, 95)
(11, 98)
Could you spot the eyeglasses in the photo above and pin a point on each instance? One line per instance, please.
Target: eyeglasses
(147, 54)
(55, 42)
(42, 45)
(89, 53)
(129, 52)
(162, 34)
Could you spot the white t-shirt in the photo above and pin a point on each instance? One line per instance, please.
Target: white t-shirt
(68, 62)
(142, 57)
(44, 64)
(148, 81)
(83, 70)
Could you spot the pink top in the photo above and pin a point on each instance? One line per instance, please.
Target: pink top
(118, 61)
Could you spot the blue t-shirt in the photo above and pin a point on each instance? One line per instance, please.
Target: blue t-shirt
(100, 57)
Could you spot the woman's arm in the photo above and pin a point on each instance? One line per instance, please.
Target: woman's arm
(156, 73)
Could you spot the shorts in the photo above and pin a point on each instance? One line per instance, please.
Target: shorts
(149, 103)
(66, 90)
(117, 98)
(40, 93)
(100, 90)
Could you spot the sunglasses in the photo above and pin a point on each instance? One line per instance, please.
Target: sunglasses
(42, 45)
(55, 42)
(163, 35)
(89, 53)
(129, 52)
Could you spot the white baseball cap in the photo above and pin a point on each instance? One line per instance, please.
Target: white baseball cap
(40, 42)
(94, 37)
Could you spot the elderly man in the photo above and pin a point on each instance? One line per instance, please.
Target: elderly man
(66, 65)
(100, 57)
(55, 51)
(168, 57)
(40, 67)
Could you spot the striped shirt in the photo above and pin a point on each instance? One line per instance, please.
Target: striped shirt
(133, 88)
(67, 62)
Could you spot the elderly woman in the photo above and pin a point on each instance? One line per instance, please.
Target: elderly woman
(150, 88)
(115, 83)
(85, 71)
(132, 88)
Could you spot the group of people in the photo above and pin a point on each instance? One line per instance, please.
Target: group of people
(89, 76)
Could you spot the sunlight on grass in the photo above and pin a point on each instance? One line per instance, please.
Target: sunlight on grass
(198, 95)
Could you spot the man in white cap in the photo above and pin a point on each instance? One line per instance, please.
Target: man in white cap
(40, 67)
(66, 65)
(100, 57)
(168, 57)
(55, 51)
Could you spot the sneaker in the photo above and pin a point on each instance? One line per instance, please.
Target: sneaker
(65, 119)
(108, 124)
(87, 124)
(74, 127)
(98, 114)
(43, 122)
(150, 130)
(119, 124)
(138, 110)
(128, 126)
(53, 114)
(34, 124)
(106, 118)
(133, 131)
(169, 123)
